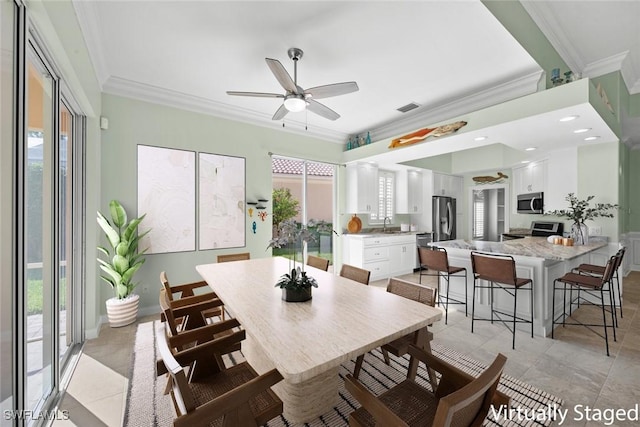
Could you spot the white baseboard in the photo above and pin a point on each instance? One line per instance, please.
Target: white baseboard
(142, 312)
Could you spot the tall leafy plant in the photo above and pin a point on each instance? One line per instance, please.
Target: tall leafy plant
(123, 259)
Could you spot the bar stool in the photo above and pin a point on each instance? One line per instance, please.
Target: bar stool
(592, 286)
(436, 259)
(500, 272)
(598, 271)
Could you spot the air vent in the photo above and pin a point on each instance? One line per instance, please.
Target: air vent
(408, 107)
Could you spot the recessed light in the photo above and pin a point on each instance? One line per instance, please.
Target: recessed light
(525, 161)
(583, 130)
(530, 149)
(591, 138)
(480, 138)
(568, 118)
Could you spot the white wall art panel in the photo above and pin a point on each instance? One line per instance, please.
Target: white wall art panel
(167, 194)
(221, 201)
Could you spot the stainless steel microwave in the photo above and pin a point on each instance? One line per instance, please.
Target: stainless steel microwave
(530, 203)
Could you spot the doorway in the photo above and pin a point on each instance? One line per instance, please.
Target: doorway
(489, 212)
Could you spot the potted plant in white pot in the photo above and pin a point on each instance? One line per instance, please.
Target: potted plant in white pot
(122, 262)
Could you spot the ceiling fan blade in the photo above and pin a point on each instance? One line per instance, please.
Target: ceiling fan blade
(256, 94)
(335, 89)
(281, 74)
(322, 110)
(280, 113)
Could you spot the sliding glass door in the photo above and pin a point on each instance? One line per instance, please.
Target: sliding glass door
(303, 190)
(51, 191)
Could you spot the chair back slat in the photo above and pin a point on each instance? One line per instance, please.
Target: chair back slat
(234, 257)
(318, 262)
(434, 258)
(164, 280)
(412, 291)
(495, 268)
(167, 313)
(181, 393)
(355, 273)
(469, 405)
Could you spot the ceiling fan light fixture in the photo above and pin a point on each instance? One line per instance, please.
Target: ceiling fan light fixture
(295, 103)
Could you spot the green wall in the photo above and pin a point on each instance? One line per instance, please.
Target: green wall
(133, 122)
(634, 194)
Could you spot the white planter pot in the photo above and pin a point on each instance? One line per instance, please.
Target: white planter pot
(122, 312)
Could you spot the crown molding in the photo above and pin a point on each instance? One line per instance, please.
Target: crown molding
(455, 107)
(605, 66)
(545, 20)
(90, 25)
(183, 101)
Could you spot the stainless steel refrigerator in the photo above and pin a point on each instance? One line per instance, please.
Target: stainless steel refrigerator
(443, 218)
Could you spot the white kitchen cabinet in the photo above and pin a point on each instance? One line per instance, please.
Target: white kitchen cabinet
(530, 178)
(362, 188)
(384, 256)
(562, 178)
(447, 185)
(409, 197)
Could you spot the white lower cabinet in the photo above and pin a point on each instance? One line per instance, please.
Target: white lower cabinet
(384, 256)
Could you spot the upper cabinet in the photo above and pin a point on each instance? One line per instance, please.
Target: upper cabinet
(556, 177)
(362, 188)
(409, 197)
(530, 178)
(562, 178)
(447, 185)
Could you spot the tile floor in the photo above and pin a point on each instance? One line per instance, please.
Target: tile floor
(573, 366)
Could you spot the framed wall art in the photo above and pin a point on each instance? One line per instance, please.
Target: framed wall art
(221, 201)
(167, 194)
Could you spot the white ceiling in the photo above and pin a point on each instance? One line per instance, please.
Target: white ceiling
(450, 57)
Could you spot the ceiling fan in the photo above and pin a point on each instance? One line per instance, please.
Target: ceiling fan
(295, 98)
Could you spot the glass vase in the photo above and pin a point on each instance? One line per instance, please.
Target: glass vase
(580, 233)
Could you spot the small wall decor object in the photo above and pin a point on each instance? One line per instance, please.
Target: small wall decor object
(250, 210)
(361, 141)
(367, 141)
(488, 179)
(262, 215)
(422, 134)
(555, 77)
(254, 226)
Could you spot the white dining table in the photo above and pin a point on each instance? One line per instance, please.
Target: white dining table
(307, 342)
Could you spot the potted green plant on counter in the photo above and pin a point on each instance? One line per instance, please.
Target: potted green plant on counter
(121, 263)
(296, 285)
(580, 211)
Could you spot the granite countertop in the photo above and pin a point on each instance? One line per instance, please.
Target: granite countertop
(536, 247)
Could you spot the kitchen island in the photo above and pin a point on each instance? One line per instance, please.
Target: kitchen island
(536, 259)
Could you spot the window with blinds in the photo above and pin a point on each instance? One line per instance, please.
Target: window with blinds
(386, 190)
(478, 215)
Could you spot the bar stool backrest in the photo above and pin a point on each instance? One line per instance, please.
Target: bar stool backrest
(494, 268)
(434, 259)
(610, 268)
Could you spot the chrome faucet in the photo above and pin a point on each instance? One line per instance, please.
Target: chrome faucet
(384, 224)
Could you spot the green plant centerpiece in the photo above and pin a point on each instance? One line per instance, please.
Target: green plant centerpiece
(121, 261)
(580, 211)
(296, 285)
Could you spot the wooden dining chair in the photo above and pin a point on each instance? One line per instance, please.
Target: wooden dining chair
(318, 262)
(400, 346)
(459, 399)
(355, 273)
(234, 257)
(188, 290)
(234, 396)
